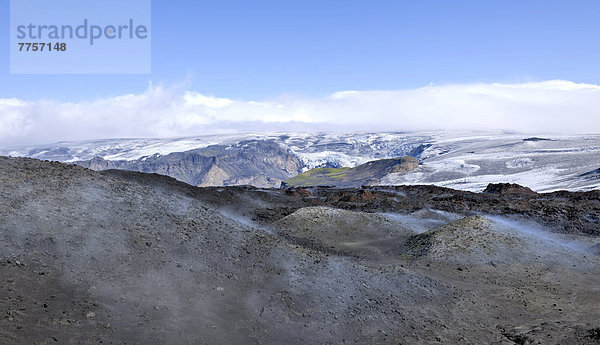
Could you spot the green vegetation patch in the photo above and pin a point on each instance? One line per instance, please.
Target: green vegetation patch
(319, 176)
(352, 176)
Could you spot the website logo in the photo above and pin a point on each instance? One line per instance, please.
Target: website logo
(80, 37)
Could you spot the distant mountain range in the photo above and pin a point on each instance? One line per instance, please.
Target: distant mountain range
(460, 160)
(258, 162)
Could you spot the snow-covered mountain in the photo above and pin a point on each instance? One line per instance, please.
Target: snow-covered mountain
(472, 162)
(461, 160)
(314, 150)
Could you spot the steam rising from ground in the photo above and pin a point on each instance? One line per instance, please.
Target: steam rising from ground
(158, 262)
(538, 232)
(423, 220)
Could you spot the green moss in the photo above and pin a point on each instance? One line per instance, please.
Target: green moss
(344, 176)
(325, 172)
(318, 176)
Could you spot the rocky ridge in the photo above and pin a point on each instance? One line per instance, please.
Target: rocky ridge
(257, 163)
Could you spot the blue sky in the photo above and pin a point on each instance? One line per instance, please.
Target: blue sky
(263, 49)
(264, 66)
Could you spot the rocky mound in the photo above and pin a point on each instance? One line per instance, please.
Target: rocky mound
(343, 231)
(534, 139)
(508, 189)
(482, 240)
(470, 239)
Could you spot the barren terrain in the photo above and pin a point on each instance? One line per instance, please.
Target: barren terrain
(120, 257)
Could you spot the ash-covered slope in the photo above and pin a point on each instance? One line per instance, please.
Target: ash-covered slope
(125, 257)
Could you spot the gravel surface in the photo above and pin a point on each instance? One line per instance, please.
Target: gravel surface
(129, 258)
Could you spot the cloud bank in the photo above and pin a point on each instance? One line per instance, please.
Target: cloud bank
(551, 106)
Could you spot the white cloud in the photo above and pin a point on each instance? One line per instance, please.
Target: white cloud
(551, 106)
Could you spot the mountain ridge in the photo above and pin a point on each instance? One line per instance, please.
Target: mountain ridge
(259, 163)
(461, 160)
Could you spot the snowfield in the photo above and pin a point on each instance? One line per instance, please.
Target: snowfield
(461, 160)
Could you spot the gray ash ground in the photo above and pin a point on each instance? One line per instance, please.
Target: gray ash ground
(128, 258)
